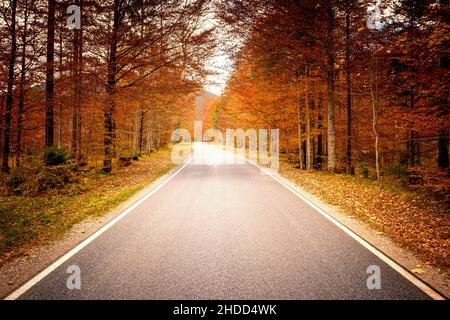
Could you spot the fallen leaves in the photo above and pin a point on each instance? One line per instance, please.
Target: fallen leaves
(418, 271)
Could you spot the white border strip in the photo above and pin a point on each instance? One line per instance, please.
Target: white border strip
(417, 282)
(24, 288)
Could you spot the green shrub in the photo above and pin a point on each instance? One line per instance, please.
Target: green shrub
(83, 163)
(133, 156)
(53, 178)
(15, 181)
(124, 161)
(436, 181)
(54, 156)
(363, 169)
(71, 165)
(396, 170)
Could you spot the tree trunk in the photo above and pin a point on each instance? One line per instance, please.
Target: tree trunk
(9, 94)
(374, 97)
(149, 136)
(22, 90)
(288, 142)
(331, 135)
(141, 130)
(309, 126)
(375, 132)
(108, 111)
(60, 104)
(348, 154)
(443, 161)
(319, 153)
(78, 75)
(2, 108)
(49, 77)
(300, 117)
(443, 141)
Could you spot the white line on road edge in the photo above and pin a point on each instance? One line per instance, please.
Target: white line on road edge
(417, 282)
(16, 294)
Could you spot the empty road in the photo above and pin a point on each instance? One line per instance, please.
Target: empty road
(223, 231)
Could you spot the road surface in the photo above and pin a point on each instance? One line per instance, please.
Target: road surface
(224, 231)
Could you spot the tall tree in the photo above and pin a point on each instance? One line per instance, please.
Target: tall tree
(77, 73)
(22, 84)
(9, 94)
(444, 63)
(348, 152)
(49, 75)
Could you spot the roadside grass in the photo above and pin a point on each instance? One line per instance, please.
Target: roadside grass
(413, 219)
(29, 221)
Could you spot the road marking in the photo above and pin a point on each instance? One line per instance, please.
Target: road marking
(405, 273)
(28, 285)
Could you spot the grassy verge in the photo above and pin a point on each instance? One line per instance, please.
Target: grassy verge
(30, 221)
(413, 219)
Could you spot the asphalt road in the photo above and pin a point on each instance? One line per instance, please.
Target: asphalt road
(224, 231)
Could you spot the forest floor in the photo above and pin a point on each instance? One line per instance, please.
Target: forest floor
(414, 220)
(30, 221)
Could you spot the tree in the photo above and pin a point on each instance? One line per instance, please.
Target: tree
(77, 73)
(9, 94)
(49, 75)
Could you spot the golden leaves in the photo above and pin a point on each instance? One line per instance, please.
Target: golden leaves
(418, 271)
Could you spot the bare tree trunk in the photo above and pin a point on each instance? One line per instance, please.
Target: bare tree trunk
(109, 109)
(141, 129)
(288, 142)
(158, 140)
(78, 75)
(412, 144)
(329, 49)
(309, 127)
(374, 97)
(49, 78)
(9, 94)
(2, 108)
(319, 155)
(149, 136)
(22, 90)
(348, 154)
(300, 117)
(60, 104)
(443, 161)
(375, 132)
(443, 141)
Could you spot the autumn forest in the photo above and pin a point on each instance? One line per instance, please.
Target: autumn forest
(346, 82)
(91, 92)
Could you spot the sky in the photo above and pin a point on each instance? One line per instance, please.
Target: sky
(221, 66)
